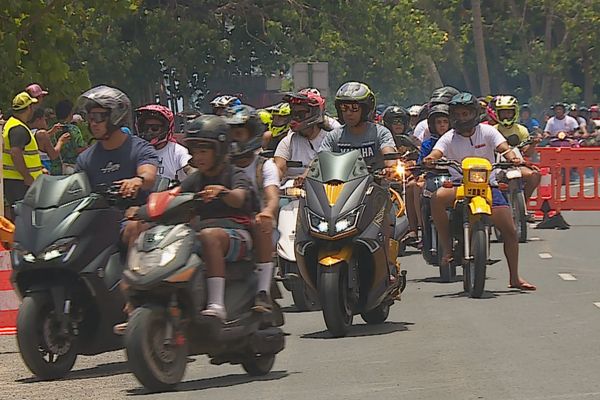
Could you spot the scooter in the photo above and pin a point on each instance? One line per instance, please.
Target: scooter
(67, 268)
(304, 298)
(167, 288)
(344, 241)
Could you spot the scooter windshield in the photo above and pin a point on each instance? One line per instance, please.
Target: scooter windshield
(343, 167)
(52, 191)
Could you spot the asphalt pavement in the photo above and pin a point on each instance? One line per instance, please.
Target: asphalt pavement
(437, 343)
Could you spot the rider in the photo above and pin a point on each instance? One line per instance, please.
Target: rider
(414, 111)
(397, 120)
(220, 104)
(469, 138)
(225, 217)
(561, 122)
(278, 126)
(441, 95)
(307, 112)
(526, 119)
(246, 135)
(438, 123)
(507, 110)
(355, 104)
(574, 112)
(155, 124)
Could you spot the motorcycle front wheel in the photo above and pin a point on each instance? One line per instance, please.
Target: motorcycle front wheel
(475, 269)
(520, 215)
(158, 363)
(333, 294)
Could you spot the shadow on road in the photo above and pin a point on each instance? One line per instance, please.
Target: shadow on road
(99, 371)
(294, 310)
(217, 382)
(363, 330)
(436, 279)
(488, 294)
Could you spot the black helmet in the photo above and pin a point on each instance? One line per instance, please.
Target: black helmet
(246, 116)
(525, 107)
(442, 95)
(356, 92)
(436, 111)
(209, 130)
(464, 99)
(559, 104)
(395, 113)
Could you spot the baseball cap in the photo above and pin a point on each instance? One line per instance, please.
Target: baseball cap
(36, 90)
(22, 101)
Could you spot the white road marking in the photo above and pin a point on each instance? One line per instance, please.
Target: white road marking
(597, 304)
(545, 255)
(567, 277)
(534, 239)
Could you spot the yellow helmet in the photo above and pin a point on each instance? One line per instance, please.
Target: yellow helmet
(265, 117)
(507, 103)
(280, 110)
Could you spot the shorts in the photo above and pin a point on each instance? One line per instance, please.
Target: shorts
(498, 199)
(240, 245)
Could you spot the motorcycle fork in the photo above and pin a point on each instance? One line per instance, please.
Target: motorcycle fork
(172, 321)
(62, 307)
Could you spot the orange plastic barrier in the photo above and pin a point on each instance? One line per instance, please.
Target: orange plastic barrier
(573, 177)
(9, 302)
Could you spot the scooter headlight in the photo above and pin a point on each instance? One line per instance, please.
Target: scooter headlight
(143, 262)
(478, 176)
(348, 221)
(61, 248)
(316, 222)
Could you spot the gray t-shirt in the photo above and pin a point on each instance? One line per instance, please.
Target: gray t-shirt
(370, 143)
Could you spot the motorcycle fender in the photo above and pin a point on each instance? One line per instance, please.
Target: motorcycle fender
(328, 258)
(479, 205)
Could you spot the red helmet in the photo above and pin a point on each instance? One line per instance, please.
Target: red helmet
(155, 136)
(301, 119)
(594, 108)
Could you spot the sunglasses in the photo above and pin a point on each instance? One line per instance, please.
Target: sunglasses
(397, 122)
(154, 128)
(98, 116)
(352, 107)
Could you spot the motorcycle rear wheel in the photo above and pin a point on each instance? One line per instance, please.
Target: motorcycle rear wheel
(36, 334)
(333, 294)
(158, 366)
(259, 365)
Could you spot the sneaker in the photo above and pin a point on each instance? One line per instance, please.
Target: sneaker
(263, 303)
(530, 217)
(215, 311)
(119, 329)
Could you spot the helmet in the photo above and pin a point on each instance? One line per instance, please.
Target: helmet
(310, 90)
(415, 110)
(507, 103)
(112, 99)
(155, 111)
(395, 113)
(558, 104)
(265, 117)
(282, 110)
(439, 110)
(583, 109)
(246, 116)
(210, 129)
(442, 95)
(573, 107)
(315, 115)
(525, 107)
(356, 92)
(594, 108)
(464, 99)
(222, 102)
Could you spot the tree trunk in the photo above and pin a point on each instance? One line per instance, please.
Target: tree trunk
(484, 77)
(588, 77)
(534, 84)
(547, 78)
(434, 74)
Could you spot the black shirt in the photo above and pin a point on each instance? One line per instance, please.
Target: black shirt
(19, 137)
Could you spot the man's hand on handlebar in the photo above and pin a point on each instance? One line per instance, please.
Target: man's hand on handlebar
(129, 188)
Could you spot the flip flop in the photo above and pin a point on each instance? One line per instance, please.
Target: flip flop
(523, 286)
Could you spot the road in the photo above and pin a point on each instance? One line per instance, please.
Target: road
(437, 343)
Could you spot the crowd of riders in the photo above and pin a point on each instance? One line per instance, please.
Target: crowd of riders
(237, 156)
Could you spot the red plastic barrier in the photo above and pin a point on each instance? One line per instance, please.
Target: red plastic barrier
(565, 193)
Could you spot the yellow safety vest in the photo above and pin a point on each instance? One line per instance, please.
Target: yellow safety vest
(31, 155)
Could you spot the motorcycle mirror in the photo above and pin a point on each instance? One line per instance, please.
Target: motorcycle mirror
(513, 140)
(294, 164)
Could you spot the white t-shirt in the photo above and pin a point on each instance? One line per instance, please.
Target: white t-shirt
(270, 175)
(171, 160)
(482, 143)
(295, 147)
(422, 131)
(582, 121)
(555, 125)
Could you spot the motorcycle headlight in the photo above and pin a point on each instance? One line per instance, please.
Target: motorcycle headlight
(348, 221)
(143, 262)
(61, 248)
(316, 222)
(478, 176)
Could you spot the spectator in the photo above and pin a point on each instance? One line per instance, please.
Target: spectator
(37, 92)
(43, 136)
(65, 164)
(561, 122)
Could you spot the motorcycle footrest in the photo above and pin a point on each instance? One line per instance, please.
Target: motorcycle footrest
(492, 262)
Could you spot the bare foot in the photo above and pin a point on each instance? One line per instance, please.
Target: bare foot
(523, 285)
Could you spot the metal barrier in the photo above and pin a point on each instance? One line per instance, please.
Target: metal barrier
(573, 179)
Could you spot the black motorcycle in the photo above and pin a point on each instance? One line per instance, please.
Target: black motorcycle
(166, 285)
(344, 240)
(67, 268)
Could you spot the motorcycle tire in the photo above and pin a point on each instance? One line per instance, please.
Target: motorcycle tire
(520, 216)
(378, 315)
(474, 273)
(158, 370)
(427, 234)
(333, 294)
(303, 298)
(259, 365)
(34, 322)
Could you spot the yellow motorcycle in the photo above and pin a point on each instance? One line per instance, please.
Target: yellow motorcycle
(470, 220)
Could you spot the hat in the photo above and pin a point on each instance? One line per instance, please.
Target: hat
(22, 101)
(36, 90)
